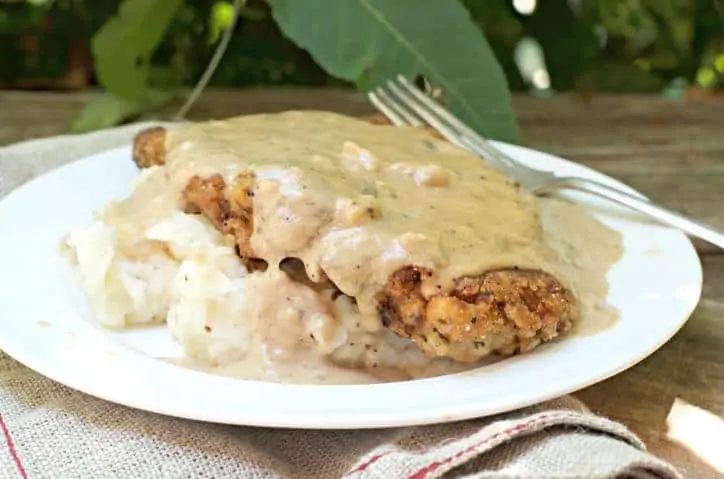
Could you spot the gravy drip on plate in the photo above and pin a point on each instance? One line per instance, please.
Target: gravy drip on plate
(355, 202)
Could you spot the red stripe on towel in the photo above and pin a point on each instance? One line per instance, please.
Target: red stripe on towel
(422, 473)
(433, 466)
(367, 463)
(11, 449)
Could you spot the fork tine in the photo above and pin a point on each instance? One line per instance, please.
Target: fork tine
(407, 105)
(429, 116)
(445, 115)
(400, 108)
(469, 137)
(393, 116)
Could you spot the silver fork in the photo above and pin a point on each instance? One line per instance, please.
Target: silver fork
(404, 104)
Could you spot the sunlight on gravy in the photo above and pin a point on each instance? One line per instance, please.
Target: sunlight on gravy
(698, 430)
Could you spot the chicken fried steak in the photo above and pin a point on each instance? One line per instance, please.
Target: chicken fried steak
(502, 311)
(505, 312)
(149, 147)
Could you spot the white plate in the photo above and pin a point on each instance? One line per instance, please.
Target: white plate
(45, 323)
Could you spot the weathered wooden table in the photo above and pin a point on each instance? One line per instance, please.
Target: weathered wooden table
(671, 151)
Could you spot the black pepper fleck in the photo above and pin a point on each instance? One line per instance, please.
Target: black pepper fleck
(442, 336)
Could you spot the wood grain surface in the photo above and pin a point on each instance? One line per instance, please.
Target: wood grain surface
(672, 151)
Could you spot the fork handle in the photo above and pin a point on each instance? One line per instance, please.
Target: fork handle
(657, 212)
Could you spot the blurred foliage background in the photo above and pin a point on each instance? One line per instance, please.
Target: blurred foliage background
(657, 46)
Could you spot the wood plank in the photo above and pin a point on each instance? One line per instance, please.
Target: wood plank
(562, 124)
(620, 139)
(569, 109)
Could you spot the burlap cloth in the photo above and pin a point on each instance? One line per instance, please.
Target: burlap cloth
(50, 431)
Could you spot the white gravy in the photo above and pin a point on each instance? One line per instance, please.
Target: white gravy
(358, 201)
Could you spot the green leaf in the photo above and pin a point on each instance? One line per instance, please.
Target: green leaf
(370, 41)
(123, 46)
(107, 110)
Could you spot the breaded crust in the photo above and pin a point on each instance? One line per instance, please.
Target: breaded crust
(506, 311)
(149, 147)
(230, 209)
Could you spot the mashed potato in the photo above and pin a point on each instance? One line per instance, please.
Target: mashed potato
(123, 292)
(142, 261)
(181, 271)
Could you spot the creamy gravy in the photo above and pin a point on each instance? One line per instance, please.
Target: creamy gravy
(356, 201)
(586, 250)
